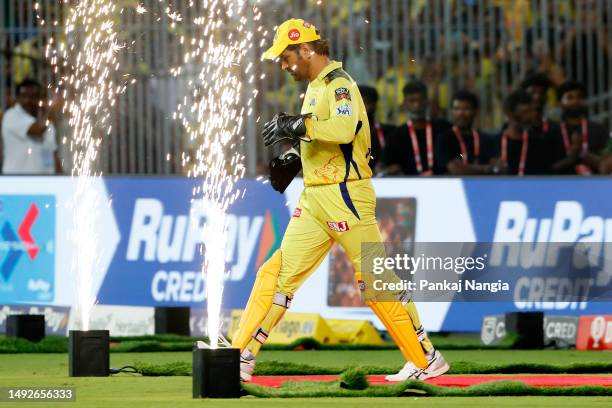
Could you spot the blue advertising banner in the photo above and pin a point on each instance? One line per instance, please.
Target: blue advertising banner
(159, 257)
(151, 237)
(27, 248)
(550, 214)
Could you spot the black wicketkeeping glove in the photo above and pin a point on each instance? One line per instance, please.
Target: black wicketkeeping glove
(285, 127)
(284, 168)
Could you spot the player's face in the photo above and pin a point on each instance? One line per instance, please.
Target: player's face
(463, 114)
(292, 62)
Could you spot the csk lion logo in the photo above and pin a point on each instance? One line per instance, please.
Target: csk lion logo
(329, 171)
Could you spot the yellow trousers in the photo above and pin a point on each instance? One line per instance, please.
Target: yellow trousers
(344, 213)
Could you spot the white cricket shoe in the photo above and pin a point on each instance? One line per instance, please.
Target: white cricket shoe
(247, 365)
(436, 367)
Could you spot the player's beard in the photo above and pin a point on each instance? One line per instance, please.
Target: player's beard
(296, 73)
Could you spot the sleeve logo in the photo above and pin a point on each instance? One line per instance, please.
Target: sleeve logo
(344, 110)
(342, 93)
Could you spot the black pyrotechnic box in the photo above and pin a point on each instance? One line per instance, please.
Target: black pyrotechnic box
(216, 373)
(26, 326)
(88, 353)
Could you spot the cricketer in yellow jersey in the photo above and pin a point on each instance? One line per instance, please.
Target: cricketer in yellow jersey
(338, 203)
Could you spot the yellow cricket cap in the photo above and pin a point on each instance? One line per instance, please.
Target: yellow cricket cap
(293, 31)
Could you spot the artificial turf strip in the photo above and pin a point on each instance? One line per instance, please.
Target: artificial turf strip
(459, 367)
(317, 389)
(354, 379)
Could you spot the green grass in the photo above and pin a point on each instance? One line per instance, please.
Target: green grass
(46, 370)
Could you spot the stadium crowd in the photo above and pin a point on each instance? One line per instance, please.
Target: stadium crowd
(529, 142)
(423, 127)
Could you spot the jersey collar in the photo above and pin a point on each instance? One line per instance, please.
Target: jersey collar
(329, 68)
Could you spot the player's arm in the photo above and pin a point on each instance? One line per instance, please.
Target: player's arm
(343, 115)
(338, 129)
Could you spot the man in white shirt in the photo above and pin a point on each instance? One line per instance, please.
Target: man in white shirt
(28, 137)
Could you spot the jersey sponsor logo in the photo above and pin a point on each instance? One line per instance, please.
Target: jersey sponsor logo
(297, 213)
(344, 110)
(307, 24)
(313, 102)
(342, 93)
(339, 226)
(294, 34)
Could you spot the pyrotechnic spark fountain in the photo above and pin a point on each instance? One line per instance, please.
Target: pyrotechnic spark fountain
(218, 50)
(88, 61)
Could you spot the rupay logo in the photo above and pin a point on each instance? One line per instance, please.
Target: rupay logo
(157, 237)
(544, 240)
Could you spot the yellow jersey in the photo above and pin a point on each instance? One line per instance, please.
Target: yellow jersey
(339, 148)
